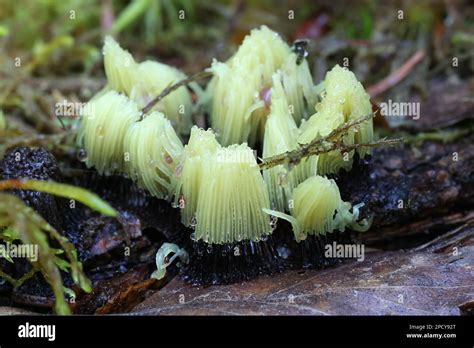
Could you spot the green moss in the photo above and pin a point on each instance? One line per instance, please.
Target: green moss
(20, 222)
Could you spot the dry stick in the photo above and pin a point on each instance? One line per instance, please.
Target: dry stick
(326, 144)
(171, 88)
(398, 75)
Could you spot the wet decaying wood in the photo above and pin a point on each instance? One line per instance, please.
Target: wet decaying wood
(150, 213)
(411, 189)
(433, 279)
(420, 187)
(109, 248)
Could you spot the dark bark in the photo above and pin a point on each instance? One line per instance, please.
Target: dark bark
(412, 190)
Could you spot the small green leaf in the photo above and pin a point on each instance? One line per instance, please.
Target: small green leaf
(72, 192)
(21, 222)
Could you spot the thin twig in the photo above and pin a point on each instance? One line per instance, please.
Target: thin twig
(171, 88)
(326, 144)
(396, 76)
(344, 129)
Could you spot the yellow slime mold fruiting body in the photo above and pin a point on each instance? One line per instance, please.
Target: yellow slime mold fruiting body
(151, 150)
(318, 209)
(144, 81)
(106, 120)
(343, 99)
(281, 133)
(239, 89)
(120, 67)
(188, 174)
(231, 198)
(222, 191)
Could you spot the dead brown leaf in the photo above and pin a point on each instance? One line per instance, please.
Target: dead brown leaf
(431, 280)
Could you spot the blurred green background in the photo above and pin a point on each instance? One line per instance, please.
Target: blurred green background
(52, 49)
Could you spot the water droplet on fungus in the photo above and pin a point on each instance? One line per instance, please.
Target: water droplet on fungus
(82, 155)
(273, 222)
(178, 170)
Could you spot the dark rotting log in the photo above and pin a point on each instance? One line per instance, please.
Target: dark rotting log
(411, 189)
